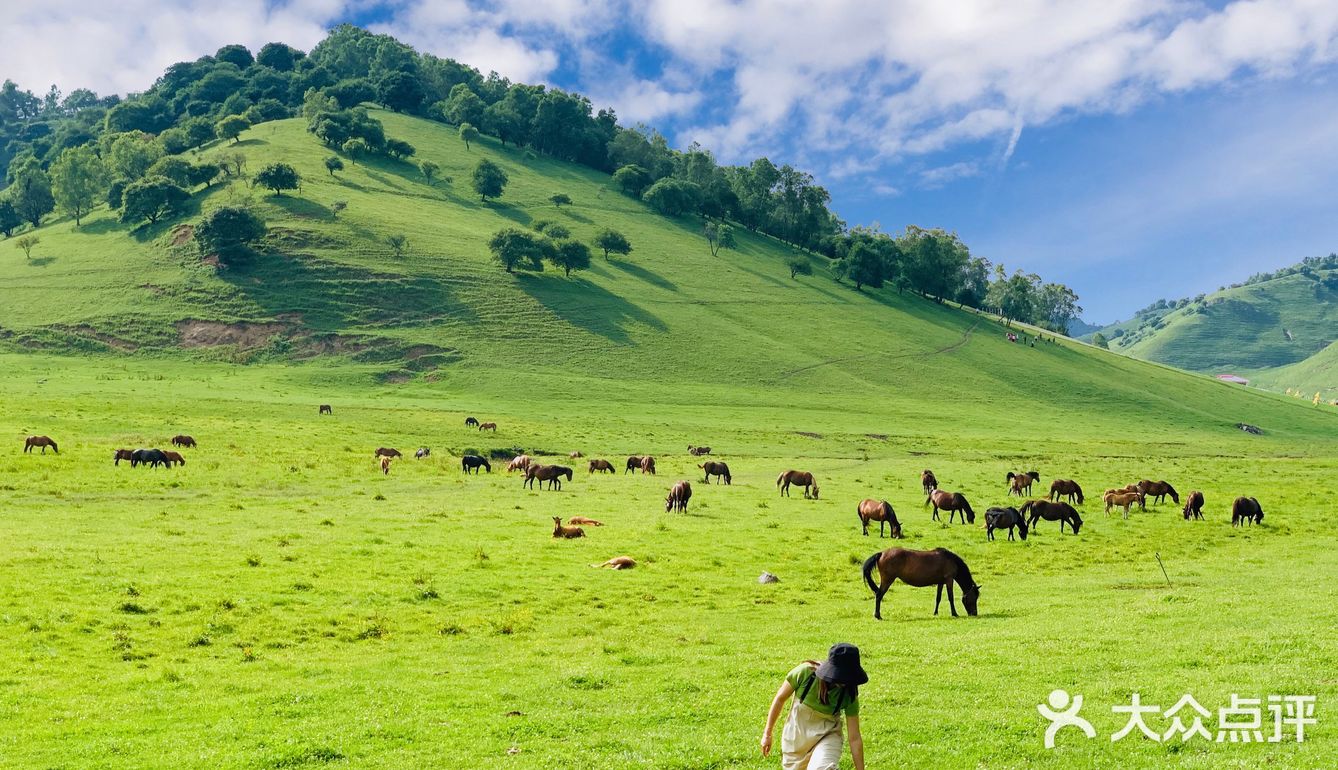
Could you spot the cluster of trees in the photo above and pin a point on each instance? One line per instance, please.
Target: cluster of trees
(551, 242)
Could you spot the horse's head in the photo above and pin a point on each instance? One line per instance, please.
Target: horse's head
(815, 490)
(1075, 521)
(969, 598)
(1022, 526)
(896, 530)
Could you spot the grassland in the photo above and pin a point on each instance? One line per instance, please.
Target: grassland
(279, 603)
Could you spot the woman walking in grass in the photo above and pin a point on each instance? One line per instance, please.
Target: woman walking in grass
(824, 692)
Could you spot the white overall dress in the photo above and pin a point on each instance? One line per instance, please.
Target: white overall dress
(811, 740)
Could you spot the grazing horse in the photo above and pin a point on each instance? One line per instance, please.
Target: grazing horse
(618, 562)
(1124, 499)
(422, 452)
(474, 462)
(951, 502)
(711, 468)
(1020, 483)
(183, 441)
(939, 567)
(386, 452)
(928, 481)
(648, 465)
(568, 533)
(492, 426)
(470, 422)
(173, 457)
(1246, 509)
(1051, 511)
(1194, 506)
(1158, 490)
(633, 464)
(550, 473)
(1066, 488)
(603, 466)
(385, 465)
(518, 463)
(881, 512)
(1004, 518)
(325, 409)
(698, 451)
(799, 479)
(585, 521)
(149, 457)
(121, 454)
(576, 455)
(40, 441)
(678, 498)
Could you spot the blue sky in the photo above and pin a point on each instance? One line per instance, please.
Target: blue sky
(1134, 149)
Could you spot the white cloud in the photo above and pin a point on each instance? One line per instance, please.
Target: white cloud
(942, 175)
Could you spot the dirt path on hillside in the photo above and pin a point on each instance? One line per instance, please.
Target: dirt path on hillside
(966, 337)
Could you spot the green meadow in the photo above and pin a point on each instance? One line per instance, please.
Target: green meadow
(278, 602)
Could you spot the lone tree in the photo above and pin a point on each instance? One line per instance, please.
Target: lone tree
(337, 207)
(428, 169)
(231, 127)
(399, 149)
(27, 243)
(863, 266)
(78, 180)
(799, 266)
(718, 236)
(398, 243)
(227, 231)
(468, 133)
(569, 255)
(513, 248)
(278, 177)
(1100, 341)
(355, 148)
(560, 199)
(152, 198)
(489, 179)
(333, 164)
(612, 241)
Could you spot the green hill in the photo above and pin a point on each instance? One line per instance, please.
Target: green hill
(1316, 374)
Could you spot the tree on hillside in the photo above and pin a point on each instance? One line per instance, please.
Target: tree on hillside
(513, 248)
(356, 148)
(398, 243)
(151, 198)
(463, 106)
(27, 243)
(612, 241)
(428, 169)
(570, 255)
(468, 134)
(718, 236)
(337, 207)
(673, 197)
(78, 180)
(30, 191)
(278, 56)
(864, 266)
(554, 230)
(278, 177)
(560, 199)
(232, 163)
(400, 91)
(489, 179)
(799, 265)
(633, 180)
(333, 164)
(399, 149)
(231, 127)
(1013, 296)
(174, 168)
(237, 54)
(132, 154)
(9, 218)
(1100, 341)
(226, 231)
(203, 173)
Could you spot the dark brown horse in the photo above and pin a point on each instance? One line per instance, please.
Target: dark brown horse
(173, 457)
(474, 462)
(551, 473)
(1158, 490)
(633, 464)
(648, 465)
(1051, 511)
(951, 502)
(603, 466)
(567, 533)
(697, 451)
(799, 479)
(1067, 488)
(40, 441)
(1004, 518)
(122, 454)
(325, 409)
(881, 512)
(386, 452)
(492, 426)
(1194, 506)
(712, 468)
(928, 481)
(470, 422)
(678, 498)
(939, 567)
(1020, 483)
(183, 441)
(1246, 509)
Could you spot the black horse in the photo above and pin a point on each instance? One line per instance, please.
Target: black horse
(473, 462)
(1004, 518)
(1051, 511)
(1246, 510)
(422, 452)
(470, 422)
(149, 457)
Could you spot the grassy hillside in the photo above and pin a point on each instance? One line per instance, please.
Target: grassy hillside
(1316, 374)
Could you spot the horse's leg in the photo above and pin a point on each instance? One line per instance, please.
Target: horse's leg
(951, 603)
(938, 598)
(989, 531)
(878, 596)
(936, 518)
(882, 523)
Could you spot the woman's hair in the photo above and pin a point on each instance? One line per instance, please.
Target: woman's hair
(851, 691)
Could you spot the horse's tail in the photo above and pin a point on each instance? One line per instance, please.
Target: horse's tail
(929, 497)
(781, 478)
(869, 564)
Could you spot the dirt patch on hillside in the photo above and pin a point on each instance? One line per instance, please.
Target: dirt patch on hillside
(203, 334)
(111, 341)
(807, 434)
(181, 234)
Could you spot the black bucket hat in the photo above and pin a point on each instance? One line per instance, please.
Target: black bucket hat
(842, 666)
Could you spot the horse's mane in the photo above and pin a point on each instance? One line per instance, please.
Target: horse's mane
(964, 578)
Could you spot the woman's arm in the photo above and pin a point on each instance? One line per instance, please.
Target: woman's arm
(777, 703)
(856, 742)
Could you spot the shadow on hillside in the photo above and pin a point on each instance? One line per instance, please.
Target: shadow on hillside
(41, 261)
(633, 269)
(520, 216)
(102, 227)
(573, 215)
(589, 307)
(771, 279)
(300, 208)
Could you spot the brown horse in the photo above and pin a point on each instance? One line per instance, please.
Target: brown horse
(1194, 506)
(568, 533)
(951, 502)
(575, 455)
(325, 409)
(40, 441)
(678, 498)
(386, 452)
(1246, 509)
(939, 567)
(551, 473)
(1124, 499)
(492, 426)
(712, 468)
(799, 479)
(648, 465)
(1020, 483)
(1158, 490)
(603, 466)
(881, 512)
(698, 451)
(928, 481)
(122, 454)
(618, 562)
(1051, 511)
(385, 464)
(1066, 488)
(183, 441)
(173, 457)
(518, 463)
(633, 464)
(585, 521)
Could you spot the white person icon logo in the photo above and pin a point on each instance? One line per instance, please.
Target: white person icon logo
(1063, 712)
